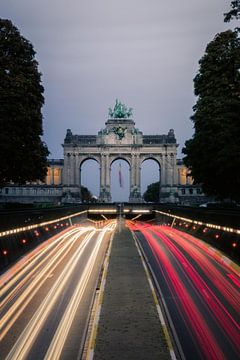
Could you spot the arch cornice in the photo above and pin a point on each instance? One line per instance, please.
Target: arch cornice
(155, 157)
(83, 158)
(124, 157)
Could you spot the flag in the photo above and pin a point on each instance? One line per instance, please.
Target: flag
(120, 176)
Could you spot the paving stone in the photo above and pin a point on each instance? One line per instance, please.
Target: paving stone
(129, 327)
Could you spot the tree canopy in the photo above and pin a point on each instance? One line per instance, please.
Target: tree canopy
(213, 153)
(152, 193)
(23, 155)
(86, 194)
(234, 13)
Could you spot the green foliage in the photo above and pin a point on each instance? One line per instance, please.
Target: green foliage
(152, 193)
(234, 13)
(23, 155)
(213, 154)
(86, 194)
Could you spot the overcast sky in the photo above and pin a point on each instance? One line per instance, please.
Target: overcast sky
(90, 52)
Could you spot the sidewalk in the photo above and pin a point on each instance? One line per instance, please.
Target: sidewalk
(129, 326)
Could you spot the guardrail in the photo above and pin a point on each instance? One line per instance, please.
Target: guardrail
(16, 242)
(226, 239)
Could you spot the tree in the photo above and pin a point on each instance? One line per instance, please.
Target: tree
(152, 192)
(234, 12)
(23, 155)
(213, 153)
(86, 194)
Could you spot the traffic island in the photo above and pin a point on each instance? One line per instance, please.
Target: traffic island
(129, 327)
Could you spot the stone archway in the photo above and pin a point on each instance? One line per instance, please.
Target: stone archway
(120, 171)
(157, 172)
(88, 176)
(120, 139)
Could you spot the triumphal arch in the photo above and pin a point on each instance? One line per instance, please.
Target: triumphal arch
(120, 139)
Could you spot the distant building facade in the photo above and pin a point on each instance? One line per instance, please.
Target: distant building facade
(119, 139)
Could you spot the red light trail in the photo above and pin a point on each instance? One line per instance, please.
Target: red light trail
(202, 295)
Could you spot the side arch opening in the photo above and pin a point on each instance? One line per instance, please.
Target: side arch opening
(150, 180)
(89, 180)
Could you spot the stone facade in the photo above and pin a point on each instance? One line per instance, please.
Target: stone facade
(119, 139)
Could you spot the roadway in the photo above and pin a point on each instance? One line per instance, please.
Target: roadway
(46, 298)
(199, 293)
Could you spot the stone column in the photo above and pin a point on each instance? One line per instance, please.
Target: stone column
(72, 170)
(132, 173)
(163, 170)
(105, 195)
(108, 179)
(135, 179)
(68, 170)
(169, 172)
(80, 182)
(107, 172)
(102, 172)
(160, 182)
(138, 174)
(77, 171)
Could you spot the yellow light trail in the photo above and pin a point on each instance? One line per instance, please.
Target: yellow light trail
(28, 336)
(24, 299)
(30, 333)
(33, 262)
(61, 334)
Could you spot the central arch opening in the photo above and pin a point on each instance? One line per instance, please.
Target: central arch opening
(120, 180)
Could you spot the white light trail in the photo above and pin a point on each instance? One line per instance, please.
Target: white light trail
(24, 299)
(26, 266)
(61, 334)
(28, 336)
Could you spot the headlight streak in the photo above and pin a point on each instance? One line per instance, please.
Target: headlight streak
(28, 336)
(33, 262)
(24, 299)
(61, 334)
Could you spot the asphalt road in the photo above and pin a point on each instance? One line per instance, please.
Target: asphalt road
(201, 294)
(45, 299)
